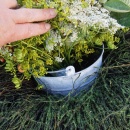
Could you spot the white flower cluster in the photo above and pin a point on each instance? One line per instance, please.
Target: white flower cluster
(73, 36)
(92, 16)
(59, 59)
(69, 30)
(53, 41)
(5, 51)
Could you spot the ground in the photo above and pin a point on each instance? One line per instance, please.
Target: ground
(105, 107)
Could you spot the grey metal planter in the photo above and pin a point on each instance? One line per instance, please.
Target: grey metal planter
(66, 81)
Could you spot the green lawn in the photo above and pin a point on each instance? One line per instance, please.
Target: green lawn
(105, 107)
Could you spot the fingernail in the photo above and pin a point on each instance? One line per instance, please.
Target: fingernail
(47, 26)
(53, 12)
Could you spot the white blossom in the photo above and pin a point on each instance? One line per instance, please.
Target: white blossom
(93, 16)
(53, 40)
(74, 36)
(59, 59)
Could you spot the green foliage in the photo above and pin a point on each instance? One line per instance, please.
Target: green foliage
(117, 6)
(65, 44)
(123, 18)
(102, 1)
(120, 10)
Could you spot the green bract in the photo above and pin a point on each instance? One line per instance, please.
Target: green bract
(80, 26)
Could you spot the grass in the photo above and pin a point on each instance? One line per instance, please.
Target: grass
(105, 107)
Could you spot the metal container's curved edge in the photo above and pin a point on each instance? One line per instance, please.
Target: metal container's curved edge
(82, 80)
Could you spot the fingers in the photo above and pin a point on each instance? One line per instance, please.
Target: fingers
(9, 3)
(29, 29)
(32, 15)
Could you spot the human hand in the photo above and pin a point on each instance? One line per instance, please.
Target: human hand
(18, 24)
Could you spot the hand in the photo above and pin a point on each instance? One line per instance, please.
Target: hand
(18, 24)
